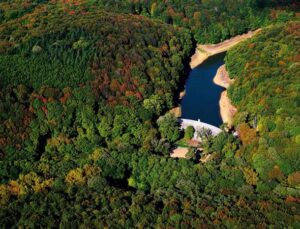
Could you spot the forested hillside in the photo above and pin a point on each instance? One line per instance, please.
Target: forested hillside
(85, 140)
(114, 68)
(267, 93)
(210, 21)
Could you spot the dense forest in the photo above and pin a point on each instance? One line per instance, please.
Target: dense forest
(209, 21)
(85, 136)
(266, 91)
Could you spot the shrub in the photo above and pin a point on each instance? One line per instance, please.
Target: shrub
(189, 132)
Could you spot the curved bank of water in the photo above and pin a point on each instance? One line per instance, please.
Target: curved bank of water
(202, 95)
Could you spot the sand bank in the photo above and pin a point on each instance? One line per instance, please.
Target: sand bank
(182, 94)
(203, 52)
(222, 77)
(227, 110)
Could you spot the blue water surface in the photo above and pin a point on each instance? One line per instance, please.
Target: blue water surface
(202, 95)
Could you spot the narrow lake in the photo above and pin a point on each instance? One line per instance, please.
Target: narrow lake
(202, 95)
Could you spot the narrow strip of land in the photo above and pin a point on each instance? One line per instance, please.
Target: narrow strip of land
(222, 77)
(227, 110)
(203, 52)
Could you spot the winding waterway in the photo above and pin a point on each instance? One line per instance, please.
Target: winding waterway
(202, 95)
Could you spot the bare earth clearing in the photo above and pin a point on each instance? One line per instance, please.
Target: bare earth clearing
(180, 152)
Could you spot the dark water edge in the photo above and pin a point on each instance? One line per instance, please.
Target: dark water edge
(202, 95)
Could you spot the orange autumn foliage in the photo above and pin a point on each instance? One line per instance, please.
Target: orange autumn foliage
(246, 134)
(294, 179)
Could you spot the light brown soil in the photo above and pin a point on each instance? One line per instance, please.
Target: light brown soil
(193, 143)
(179, 152)
(205, 51)
(222, 77)
(182, 94)
(227, 110)
(176, 111)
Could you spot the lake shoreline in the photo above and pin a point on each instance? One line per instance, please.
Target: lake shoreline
(227, 109)
(222, 78)
(202, 95)
(203, 52)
